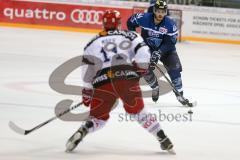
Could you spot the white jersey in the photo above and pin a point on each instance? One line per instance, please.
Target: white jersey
(110, 50)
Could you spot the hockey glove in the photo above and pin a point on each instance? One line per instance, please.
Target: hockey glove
(156, 55)
(87, 96)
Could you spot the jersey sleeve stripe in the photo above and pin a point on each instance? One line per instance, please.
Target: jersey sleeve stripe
(149, 29)
(86, 61)
(172, 34)
(138, 47)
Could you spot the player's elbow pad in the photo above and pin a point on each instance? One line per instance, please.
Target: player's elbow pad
(174, 39)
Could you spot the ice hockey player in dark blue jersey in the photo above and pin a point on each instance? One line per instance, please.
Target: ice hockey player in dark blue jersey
(152, 3)
(160, 33)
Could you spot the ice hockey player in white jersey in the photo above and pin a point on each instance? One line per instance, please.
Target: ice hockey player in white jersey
(116, 59)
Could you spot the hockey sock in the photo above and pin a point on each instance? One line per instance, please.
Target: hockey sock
(148, 121)
(94, 124)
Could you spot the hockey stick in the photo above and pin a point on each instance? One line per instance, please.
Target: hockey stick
(19, 130)
(189, 104)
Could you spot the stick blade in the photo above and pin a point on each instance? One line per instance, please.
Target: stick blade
(17, 129)
(193, 104)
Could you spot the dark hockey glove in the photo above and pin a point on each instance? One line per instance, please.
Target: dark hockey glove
(156, 55)
(87, 96)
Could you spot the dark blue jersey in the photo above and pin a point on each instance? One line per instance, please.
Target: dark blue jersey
(162, 36)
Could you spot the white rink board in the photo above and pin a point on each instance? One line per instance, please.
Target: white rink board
(215, 23)
(27, 58)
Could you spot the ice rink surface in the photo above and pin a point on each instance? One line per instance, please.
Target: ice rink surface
(211, 76)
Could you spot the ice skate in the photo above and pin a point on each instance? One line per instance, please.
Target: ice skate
(75, 139)
(182, 100)
(165, 142)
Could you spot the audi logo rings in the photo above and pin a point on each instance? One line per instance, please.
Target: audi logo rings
(87, 16)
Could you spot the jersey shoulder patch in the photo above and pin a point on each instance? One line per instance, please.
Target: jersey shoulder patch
(141, 18)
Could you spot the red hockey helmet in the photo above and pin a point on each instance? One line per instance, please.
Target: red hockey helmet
(111, 19)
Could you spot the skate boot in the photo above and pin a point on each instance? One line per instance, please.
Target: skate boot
(182, 100)
(165, 142)
(155, 93)
(76, 138)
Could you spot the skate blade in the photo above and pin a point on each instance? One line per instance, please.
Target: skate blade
(70, 146)
(68, 151)
(171, 151)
